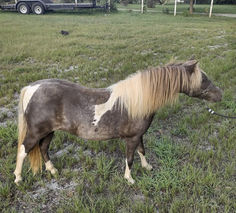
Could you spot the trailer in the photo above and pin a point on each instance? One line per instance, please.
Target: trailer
(39, 7)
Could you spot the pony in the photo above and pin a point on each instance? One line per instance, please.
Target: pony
(123, 110)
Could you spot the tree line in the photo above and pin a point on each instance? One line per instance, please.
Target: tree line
(185, 1)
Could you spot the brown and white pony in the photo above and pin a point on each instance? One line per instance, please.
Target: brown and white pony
(123, 110)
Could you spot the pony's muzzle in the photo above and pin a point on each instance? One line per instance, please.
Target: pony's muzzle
(216, 95)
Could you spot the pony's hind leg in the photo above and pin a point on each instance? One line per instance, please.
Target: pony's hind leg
(141, 152)
(44, 146)
(19, 163)
(24, 149)
(131, 145)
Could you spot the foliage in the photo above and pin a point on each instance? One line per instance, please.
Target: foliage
(6, 1)
(165, 10)
(112, 4)
(199, 8)
(151, 3)
(215, 1)
(125, 2)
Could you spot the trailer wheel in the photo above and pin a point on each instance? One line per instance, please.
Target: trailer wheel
(23, 8)
(38, 9)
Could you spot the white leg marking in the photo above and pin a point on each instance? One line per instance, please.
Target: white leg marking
(128, 173)
(28, 95)
(101, 109)
(50, 167)
(19, 162)
(144, 162)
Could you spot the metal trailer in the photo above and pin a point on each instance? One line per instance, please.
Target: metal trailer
(39, 7)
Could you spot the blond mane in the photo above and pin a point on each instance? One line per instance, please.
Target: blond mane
(141, 94)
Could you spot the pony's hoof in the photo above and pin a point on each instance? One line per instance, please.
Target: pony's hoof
(149, 167)
(51, 168)
(17, 180)
(54, 171)
(130, 180)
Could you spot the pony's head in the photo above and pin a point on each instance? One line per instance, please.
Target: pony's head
(200, 86)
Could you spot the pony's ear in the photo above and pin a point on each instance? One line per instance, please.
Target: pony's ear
(190, 66)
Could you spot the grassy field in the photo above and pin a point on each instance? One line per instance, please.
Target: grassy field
(198, 8)
(192, 152)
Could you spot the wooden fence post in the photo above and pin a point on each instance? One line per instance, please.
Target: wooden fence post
(211, 8)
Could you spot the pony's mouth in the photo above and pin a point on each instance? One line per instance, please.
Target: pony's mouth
(214, 98)
(212, 95)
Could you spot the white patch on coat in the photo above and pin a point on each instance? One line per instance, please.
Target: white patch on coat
(128, 173)
(101, 109)
(19, 163)
(50, 167)
(28, 95)
(144, 162)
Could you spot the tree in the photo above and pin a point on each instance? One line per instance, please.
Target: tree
(162, 1)
(191, 7)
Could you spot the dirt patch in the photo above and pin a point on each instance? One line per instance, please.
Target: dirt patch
(45, 198)
(7, 115)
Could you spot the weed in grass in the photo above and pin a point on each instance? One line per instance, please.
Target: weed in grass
(104, 166)
(4, 191)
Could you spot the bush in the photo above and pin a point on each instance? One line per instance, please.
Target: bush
(165, 10)
(113, 5)
(125, 2)
(215, 1)
(6, 1)
(151, 3)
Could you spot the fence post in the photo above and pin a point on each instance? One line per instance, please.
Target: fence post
(175, 7)
(211, 8)
(142, 6)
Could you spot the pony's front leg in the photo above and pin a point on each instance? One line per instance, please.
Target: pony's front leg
(131, 145)
(141, 152)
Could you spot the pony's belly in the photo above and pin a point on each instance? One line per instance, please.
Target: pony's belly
(91, 132)
(91, 135)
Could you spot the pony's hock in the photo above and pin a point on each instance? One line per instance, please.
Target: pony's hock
(39, 7)
(123, 110)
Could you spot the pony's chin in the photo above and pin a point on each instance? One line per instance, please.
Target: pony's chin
(214, 99)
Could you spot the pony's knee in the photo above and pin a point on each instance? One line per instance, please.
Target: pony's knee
(141, 148)
(130, 161)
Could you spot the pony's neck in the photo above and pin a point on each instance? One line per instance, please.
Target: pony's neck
(144, 92)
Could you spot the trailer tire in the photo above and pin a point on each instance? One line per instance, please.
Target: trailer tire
(23, 8)
(38, 9)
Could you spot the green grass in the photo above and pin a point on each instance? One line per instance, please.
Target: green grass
(192, 152)
(198, 8)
